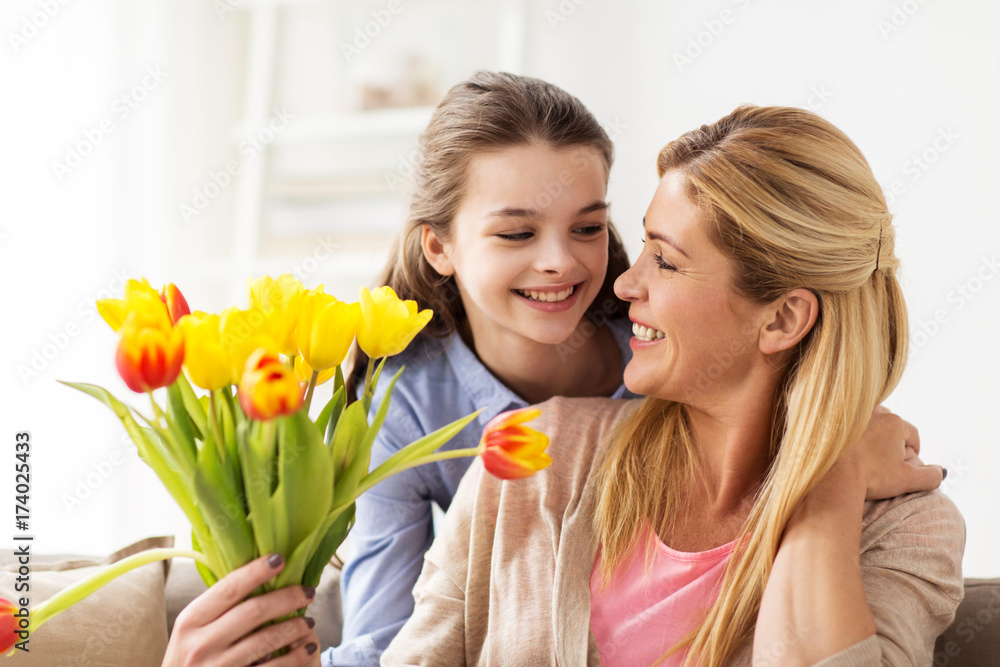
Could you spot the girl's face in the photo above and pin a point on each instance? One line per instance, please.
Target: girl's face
(695, 339)
(529, 243)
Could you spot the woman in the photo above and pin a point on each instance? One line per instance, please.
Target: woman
(725, 521)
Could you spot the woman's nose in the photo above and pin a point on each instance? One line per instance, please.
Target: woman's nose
(627, 285)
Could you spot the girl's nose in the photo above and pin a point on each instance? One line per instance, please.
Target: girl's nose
(556, 258)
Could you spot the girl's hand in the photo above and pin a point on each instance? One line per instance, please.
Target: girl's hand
(213, 630)
(885, 457)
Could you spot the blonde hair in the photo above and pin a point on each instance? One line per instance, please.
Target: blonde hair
(490, 111)
(794, 204)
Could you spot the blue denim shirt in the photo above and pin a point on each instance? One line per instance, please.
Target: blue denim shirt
(443, 381)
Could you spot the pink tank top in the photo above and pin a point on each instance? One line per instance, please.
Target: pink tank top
(642, 613)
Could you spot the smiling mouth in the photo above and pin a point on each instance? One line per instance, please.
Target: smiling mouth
(645, 333)
(547, 297)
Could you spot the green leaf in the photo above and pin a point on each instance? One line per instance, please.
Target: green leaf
(295, 568)
(150, 452)
(350, 429)
(257, 483)
(194, 408)
(419, 448)
(330, 413)
(206, 574)
(359, 460)
(220, 498)
(328, 547)
(303, 495)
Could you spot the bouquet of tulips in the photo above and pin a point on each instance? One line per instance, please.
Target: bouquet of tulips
(243, 460)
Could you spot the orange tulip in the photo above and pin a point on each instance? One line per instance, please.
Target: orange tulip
(149, 355)
(8, 626)
(512, 451)
(175, 302)
(269, 388)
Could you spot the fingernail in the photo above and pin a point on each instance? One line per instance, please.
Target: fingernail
(275, 560)
(311, 648)
(309, 591)
(944, 473)
(311, 622)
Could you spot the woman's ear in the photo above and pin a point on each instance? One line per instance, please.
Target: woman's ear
(436, 251)
(789, 319)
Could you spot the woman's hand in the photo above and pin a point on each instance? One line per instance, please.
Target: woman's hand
(213, 630)
(885, 457)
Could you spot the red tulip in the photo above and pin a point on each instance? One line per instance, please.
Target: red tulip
(149, 356)
(269, 388)
(512, 451)
(9, 626)
(175, 302)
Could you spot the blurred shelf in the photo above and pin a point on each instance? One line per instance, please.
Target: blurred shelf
(360, 125)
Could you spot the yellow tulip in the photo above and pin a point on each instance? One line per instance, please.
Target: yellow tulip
(137, 293)
(388, 323)
(206, 359)
(326, 329)
(243, 331)
(303, 371)
(268, 388)
(279, 301)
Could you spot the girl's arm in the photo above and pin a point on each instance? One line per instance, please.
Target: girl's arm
(831, 595)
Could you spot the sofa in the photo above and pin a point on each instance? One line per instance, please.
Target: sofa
(128, 622)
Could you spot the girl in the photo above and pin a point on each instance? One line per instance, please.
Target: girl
(722, 521)
(508, 241)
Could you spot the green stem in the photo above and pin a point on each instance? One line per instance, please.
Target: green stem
(309, 390)
(213, 423)
(68, 597)
(377, 476)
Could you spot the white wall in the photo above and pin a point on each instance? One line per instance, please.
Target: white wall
(896, 90)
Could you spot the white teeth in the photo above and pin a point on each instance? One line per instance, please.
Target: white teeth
(548, 297)
(645, 333)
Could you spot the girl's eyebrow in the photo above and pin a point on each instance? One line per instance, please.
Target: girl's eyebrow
(514, 212)
(657, 236)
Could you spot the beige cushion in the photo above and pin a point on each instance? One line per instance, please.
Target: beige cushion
(123, 623)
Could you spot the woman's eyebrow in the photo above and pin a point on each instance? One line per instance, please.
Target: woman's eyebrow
(657, 236)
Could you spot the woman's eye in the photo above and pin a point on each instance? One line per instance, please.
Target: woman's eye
(663, 264)
(518, 236)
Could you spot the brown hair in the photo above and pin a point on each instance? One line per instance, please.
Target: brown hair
(793, 203)
(489, 111)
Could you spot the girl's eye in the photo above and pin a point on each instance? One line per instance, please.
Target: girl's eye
(590, 230)
(518, 236)
(663, 264)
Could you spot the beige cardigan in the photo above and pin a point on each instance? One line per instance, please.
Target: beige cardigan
(507, 582)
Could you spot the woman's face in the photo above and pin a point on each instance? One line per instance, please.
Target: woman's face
(529, 243)
(694, 339)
